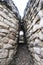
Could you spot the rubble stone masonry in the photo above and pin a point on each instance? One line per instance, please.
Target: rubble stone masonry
(9, 30)
(9, 26)
(33, 24)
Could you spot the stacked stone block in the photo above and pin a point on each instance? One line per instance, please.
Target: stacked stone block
(33, 23)
(9, 24)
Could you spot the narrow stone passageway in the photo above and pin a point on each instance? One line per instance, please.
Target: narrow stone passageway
(23, 56)
(21, 38)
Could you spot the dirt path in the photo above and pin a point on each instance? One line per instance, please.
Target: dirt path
(23, 56)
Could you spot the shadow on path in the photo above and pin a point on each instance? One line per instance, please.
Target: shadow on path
(23, 56)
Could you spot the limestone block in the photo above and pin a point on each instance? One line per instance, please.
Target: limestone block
(1, 18)
(2, 34)
(34, 36)
(40, 13)
(41, 53)
(11, 36)
(5, 40)
(37, 57)
(12, 30)
(36, 50)
(4, 15)
(1, 45)
(38, 43)
(4, 31)
(11, 42)
(40, 35)
(31, 50)
(10, 15)
(7, 46)
(4, 25)
(42, 31)
(41, 61)
(35, 27)
(41, 22)
(36, 19)
(11, 52)
(3, 53)
(10, 24)
(5, 11)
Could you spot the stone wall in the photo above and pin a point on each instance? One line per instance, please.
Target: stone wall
(33, 24)
(9, 26)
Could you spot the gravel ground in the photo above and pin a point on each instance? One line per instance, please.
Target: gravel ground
(23, 56)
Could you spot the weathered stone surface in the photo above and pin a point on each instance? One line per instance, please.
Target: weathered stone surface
(1, 45)
(37, 58)
(33, 20)
(3, 53)
(9, 28)
(41, 53)
(11, 42)
(36, 50)
(5, 40)
(42, 61)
